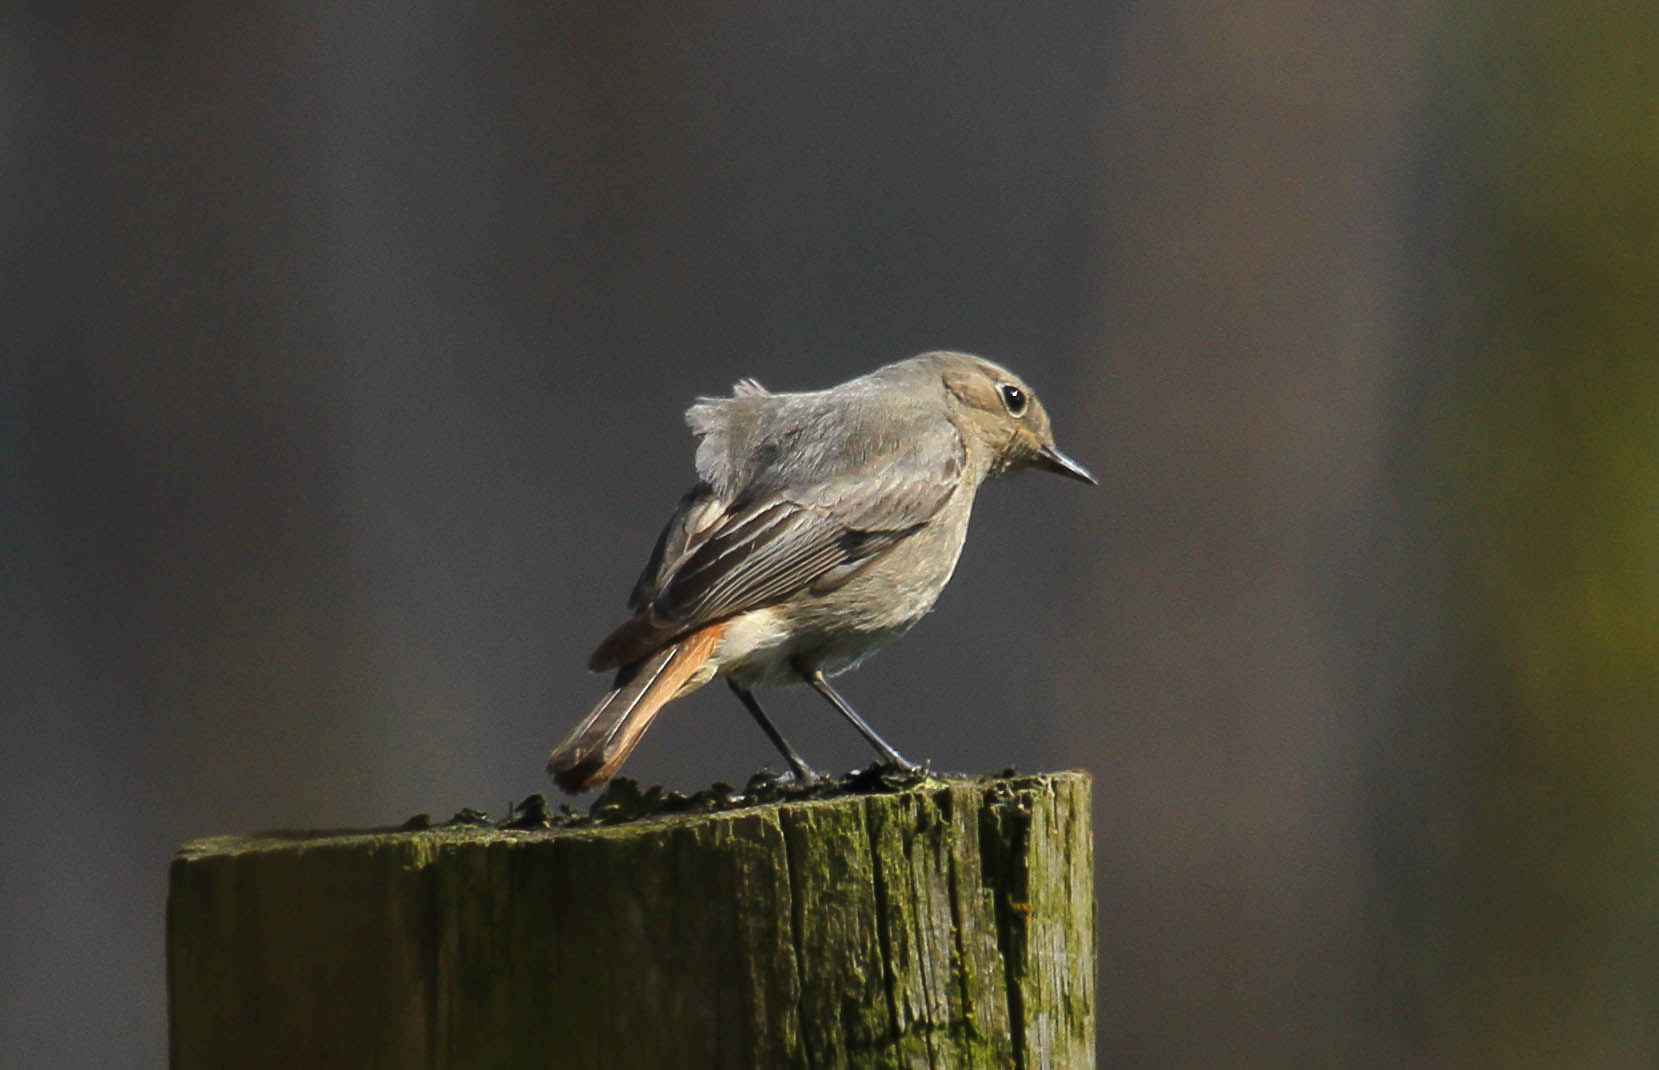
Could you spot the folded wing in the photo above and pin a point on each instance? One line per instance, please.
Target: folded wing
(716, 559)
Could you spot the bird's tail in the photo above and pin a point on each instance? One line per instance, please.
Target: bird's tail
(597, 747)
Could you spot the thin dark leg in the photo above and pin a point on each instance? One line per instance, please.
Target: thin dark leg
(816, 679)
(803, 771)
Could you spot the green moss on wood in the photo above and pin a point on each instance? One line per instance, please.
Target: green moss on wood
(946, 925)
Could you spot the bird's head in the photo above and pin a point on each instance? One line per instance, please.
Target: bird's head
(1000, 417)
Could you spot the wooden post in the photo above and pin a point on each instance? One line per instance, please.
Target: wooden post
(950, 924)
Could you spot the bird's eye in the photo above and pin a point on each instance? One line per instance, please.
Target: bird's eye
(1013, 399)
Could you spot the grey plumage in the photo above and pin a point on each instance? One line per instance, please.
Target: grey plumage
(796, 490)
(823, 524)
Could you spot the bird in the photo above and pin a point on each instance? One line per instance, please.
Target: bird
(822, 525)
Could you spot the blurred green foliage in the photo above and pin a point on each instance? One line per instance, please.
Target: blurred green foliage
(1551, 484)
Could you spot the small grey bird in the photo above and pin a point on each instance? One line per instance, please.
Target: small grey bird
(822, 525)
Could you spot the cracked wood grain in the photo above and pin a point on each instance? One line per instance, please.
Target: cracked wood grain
(948, 925)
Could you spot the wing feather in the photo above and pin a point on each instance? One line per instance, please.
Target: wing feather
(774, 536)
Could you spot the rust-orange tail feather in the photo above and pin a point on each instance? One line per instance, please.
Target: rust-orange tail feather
(597, 747)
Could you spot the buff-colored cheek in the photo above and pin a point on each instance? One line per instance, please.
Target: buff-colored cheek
(975, 390)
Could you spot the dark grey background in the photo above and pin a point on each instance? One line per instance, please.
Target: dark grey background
(346, 356)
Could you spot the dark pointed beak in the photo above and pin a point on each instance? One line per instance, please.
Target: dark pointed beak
(1055, 461)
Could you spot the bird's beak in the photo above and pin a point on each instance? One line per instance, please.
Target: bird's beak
(1055, 461)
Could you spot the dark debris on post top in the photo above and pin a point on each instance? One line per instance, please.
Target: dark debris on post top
(625, 800)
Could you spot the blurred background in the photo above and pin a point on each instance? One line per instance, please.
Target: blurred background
(343, 352)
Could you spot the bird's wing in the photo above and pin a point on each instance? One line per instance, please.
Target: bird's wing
(715, 560)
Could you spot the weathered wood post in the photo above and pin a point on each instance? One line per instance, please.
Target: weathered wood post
(950, 924)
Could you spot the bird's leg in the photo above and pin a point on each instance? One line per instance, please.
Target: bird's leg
(816, 678)
(803, 772)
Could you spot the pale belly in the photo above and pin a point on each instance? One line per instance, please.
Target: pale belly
(759, 649)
